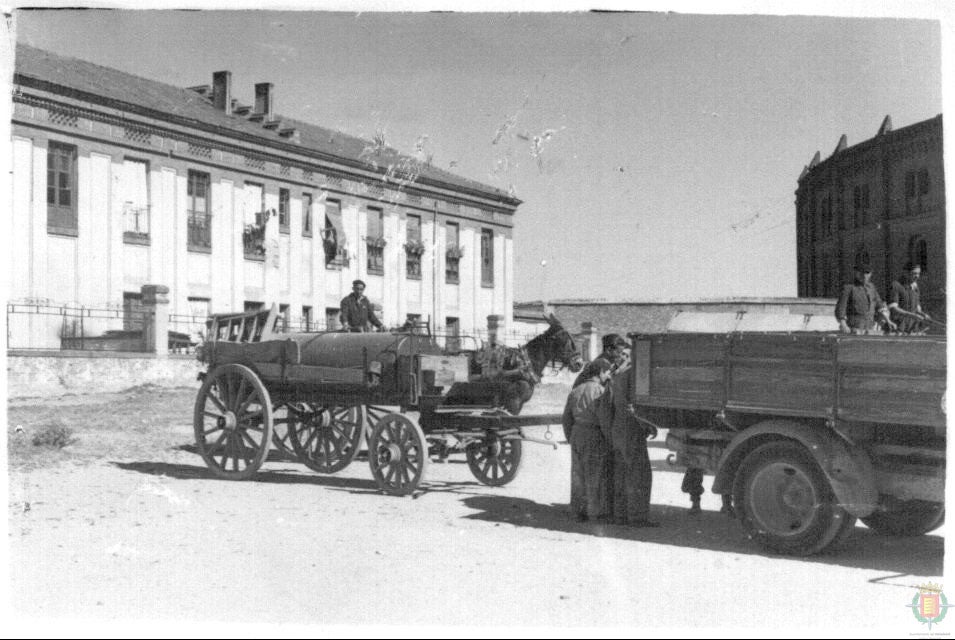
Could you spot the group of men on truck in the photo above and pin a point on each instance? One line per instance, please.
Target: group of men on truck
(859, 303)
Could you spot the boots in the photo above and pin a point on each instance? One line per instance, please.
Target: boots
(695, 505)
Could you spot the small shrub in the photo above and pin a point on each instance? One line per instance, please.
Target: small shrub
(55, 436)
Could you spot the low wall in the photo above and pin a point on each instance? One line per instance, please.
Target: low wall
(55, 373)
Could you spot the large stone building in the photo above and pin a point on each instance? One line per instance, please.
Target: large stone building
(120, 181)
(882, 200)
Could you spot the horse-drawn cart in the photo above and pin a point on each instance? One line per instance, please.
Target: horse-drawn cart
(321, 395)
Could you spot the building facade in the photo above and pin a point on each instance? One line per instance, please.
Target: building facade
(883, 201)
(120, 182)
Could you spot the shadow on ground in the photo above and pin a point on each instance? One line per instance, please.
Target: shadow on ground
(195, 472)
(712, 531)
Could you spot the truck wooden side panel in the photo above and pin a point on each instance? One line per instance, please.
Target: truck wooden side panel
(892, 380)
(874, 379)
(687, 372)
(792, 373)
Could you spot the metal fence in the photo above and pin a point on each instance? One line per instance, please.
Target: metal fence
(42, 324)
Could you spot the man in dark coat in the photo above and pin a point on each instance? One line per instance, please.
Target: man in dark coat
(859, 303)
(357, 314)
(613, 353)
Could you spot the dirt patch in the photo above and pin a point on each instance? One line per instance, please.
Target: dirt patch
(142, 421)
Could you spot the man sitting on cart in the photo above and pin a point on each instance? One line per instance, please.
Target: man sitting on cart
(357, 313)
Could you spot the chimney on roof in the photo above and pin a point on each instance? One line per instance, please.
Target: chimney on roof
(222, 91)
(264, 100)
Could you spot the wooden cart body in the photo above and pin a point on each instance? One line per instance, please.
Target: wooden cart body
(334, 390)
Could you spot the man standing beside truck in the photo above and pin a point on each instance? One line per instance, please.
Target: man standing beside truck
(613, 353)
(586, 423)
(859, 302)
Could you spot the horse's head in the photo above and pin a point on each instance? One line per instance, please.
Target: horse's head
(556, 346)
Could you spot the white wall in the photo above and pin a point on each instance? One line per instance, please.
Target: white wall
(97, 266)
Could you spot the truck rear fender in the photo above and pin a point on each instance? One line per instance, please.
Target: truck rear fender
(848, 469)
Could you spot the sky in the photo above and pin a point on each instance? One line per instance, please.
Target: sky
(656, 154)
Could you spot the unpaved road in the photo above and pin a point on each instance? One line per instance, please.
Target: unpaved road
(150, 535)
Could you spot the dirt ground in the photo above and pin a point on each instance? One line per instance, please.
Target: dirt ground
(125, 525)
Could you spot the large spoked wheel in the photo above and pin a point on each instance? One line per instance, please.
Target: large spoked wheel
(494, 460)
(373, 415)
(233, 422)
(785, 502)
(280, 432)
(397, 454)
(325, 438)
(913, 518)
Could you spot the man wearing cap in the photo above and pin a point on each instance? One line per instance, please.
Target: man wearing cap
(859, 302)
(613, 353)
(357, 314)
(904, 304)
(586, 421)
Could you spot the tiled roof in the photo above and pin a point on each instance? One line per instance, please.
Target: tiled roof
(96, 83)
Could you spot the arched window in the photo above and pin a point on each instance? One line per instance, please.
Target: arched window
(918, 252)
(924, 184)
(861, 257)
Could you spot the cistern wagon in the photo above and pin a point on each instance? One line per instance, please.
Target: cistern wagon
(321, 395)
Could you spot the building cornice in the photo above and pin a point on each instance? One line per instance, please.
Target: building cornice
(276, 148)
(225, 154)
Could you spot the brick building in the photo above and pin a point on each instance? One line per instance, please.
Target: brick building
(119, 181)
(882, 200)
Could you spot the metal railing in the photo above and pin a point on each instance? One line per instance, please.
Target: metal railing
(46, 325)
(186, 332)
(199, 230)
(136, 219)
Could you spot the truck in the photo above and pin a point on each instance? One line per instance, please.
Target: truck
(807, 432)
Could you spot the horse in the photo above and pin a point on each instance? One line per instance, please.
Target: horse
(506, 376)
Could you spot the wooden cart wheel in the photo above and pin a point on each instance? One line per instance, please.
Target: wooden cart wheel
(397, 454)
(494, 461)
(233, 422)
(325, 438)
(280, 431)
(373, 415)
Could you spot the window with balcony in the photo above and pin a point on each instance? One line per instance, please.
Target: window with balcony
(333, 236)
(199, 224)
(453, 253)
(256, 216)
(284, 204)
(414, 248)
(375, 241)
(135, 189)
(61, 215)
(307, 215)
(487, 258)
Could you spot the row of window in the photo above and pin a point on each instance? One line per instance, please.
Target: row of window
(62, 218)
(917, 184)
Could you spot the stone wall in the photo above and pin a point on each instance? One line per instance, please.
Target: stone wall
(55, 373)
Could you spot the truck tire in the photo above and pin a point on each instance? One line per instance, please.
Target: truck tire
(785, 502)
(913, 518)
